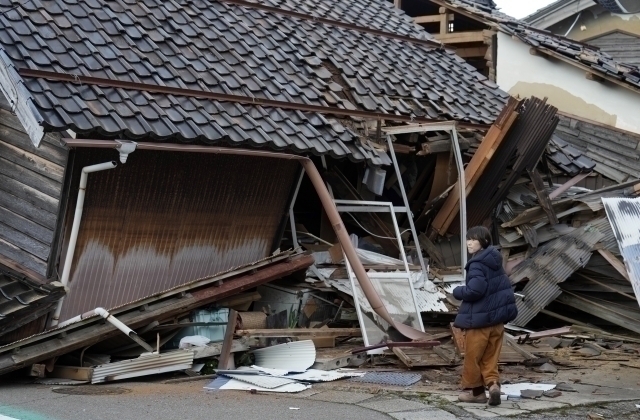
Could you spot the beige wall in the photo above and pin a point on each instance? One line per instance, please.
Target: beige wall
(520, 73)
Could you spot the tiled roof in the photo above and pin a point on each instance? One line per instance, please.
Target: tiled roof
(19, 297)
(220, 47)
(576, 53)
(568, 158)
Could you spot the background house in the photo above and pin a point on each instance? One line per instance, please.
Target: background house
(613, 26)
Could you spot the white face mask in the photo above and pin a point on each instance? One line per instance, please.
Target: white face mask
(473, 246)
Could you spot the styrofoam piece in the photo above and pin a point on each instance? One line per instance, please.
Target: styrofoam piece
(193, 341)
(297, 356)
(513, 390)
(223, 383)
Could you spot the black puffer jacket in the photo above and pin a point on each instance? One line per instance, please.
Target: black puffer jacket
(487, 298)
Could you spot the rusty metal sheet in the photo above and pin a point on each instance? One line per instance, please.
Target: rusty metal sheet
(163, 219)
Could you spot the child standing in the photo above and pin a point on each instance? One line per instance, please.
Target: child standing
(488, 303)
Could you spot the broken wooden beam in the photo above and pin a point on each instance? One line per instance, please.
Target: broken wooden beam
(543, 197)
(226, 361)
(476, 167)
(543, 334)
(302, 332)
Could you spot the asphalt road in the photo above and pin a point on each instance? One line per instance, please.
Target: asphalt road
(186, 401)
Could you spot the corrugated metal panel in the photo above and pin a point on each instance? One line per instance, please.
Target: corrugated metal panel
(163, 219)
(609, 239)
(624, 215)
(297, 356)
(427, 301)
(520, 151)
(148, 364)
(551, 264)
(30, 190)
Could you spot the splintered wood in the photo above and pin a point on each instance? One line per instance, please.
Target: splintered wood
(476, 167)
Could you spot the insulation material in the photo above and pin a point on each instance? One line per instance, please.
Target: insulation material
(624, 216)
(297, 356)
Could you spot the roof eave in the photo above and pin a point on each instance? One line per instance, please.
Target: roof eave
(557, 12)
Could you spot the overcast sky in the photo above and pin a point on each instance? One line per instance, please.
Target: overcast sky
(521, 8)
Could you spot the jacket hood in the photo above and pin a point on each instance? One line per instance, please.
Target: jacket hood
(488, 256)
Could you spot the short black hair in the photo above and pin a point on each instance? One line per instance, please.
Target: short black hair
(480, 234)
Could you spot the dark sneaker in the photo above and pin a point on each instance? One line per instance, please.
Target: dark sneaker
(494, 394)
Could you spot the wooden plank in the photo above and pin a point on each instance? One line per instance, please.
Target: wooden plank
(432, 18)
(31, 161)
(468, 52)
(547, 333)
(444, 175)
(460, 37)
(11, 131)
(72, 372)
(444, 22)
(302, 332)
(510, 341)
(615, 262)
(431, 250)
(476, 166)
(459, 339)
(26, 226)
(442, 146)
(21, 261)
(27, 177)
(24, 242)
(600, 311)
(225, 361)
(543, 197)
(25, 209)
(33, 196)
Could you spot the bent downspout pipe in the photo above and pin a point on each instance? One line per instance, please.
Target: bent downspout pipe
(113, 321)
(325, 198)
(75, 228)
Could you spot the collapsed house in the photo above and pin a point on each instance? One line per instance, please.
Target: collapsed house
(151, 167)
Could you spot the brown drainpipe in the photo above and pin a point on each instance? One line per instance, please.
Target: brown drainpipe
(327, 203)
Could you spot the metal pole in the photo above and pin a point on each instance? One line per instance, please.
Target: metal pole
(292, 220)
(463, 198)
(406, 204)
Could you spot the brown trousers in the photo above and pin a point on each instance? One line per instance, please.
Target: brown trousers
(481, 354)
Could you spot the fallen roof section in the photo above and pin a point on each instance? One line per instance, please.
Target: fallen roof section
(23, 301)
(158, 307)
